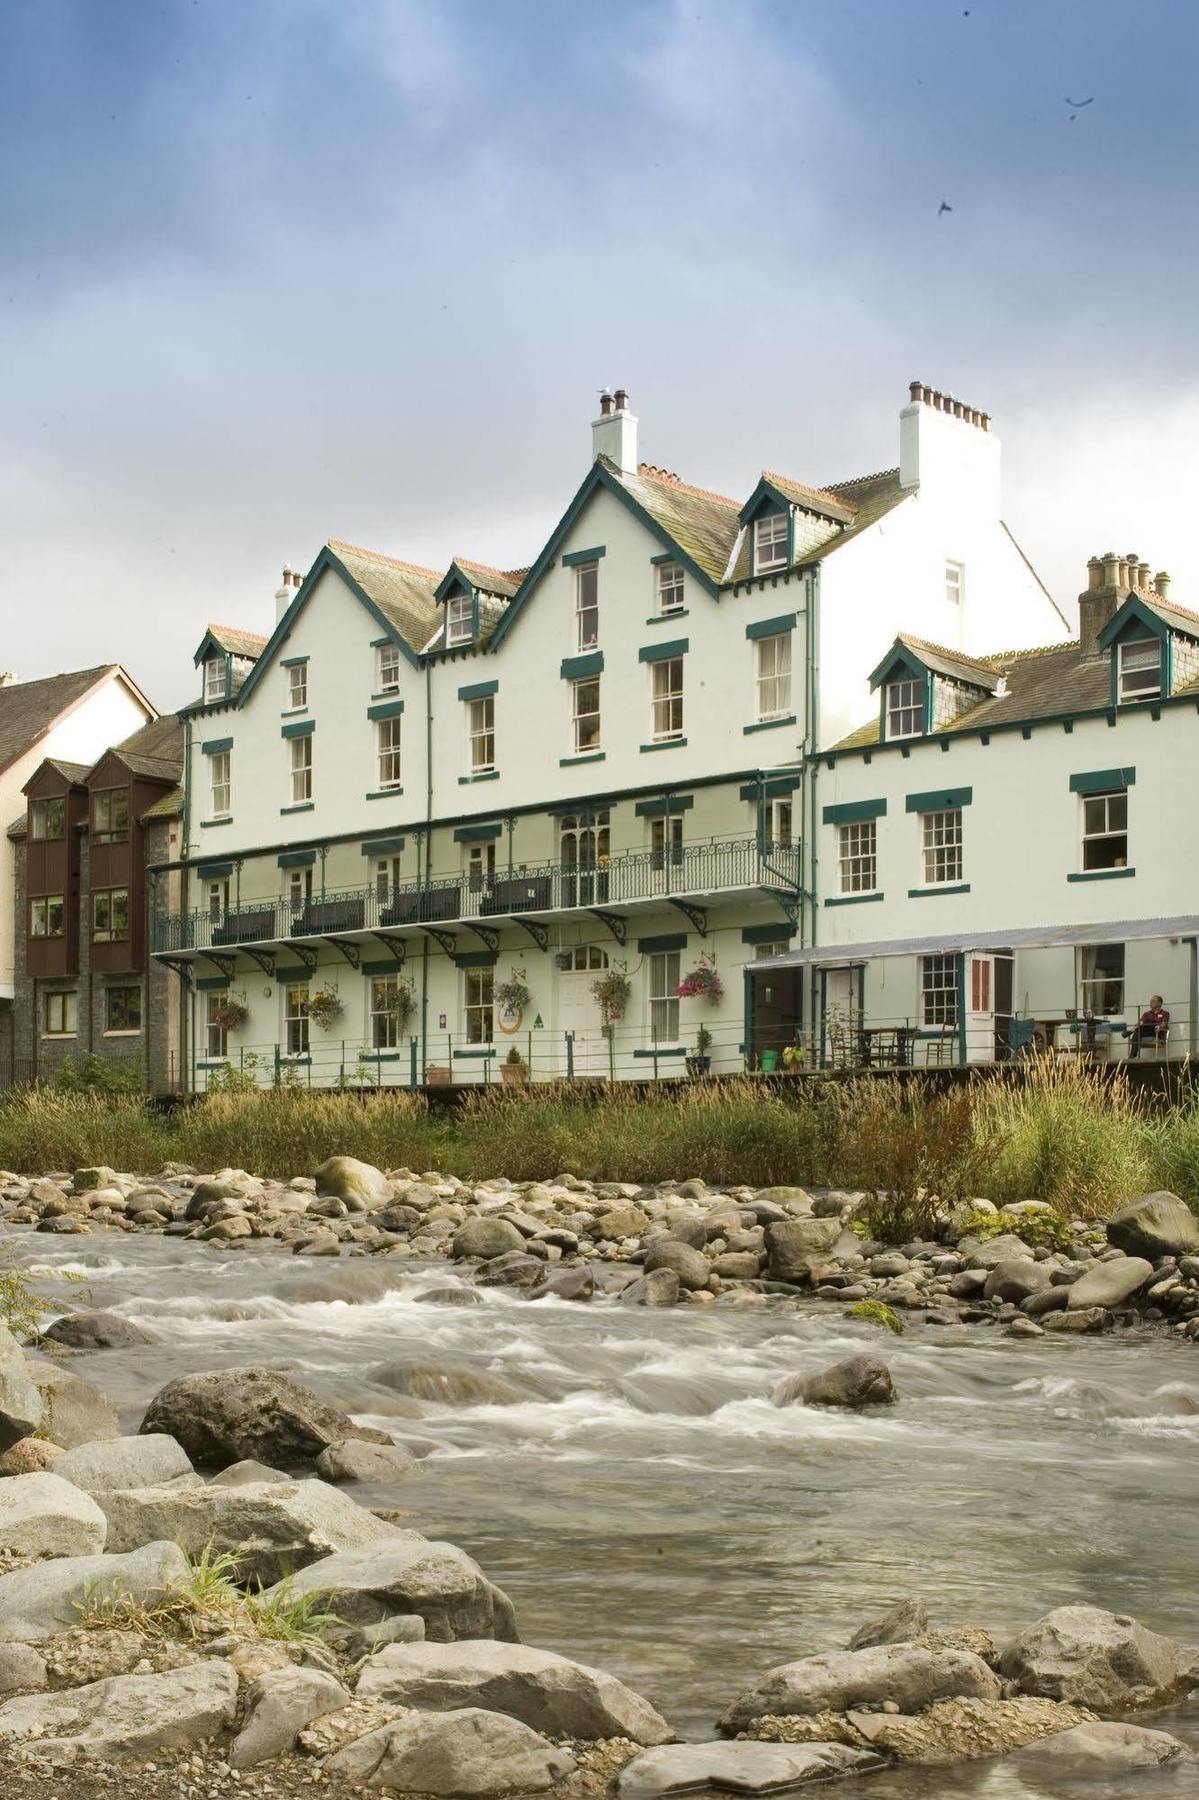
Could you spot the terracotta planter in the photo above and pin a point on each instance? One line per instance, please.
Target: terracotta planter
(514, 1075)
(437, 1075)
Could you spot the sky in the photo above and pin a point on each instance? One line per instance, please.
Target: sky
(273, 271)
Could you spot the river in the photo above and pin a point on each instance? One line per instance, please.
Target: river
(649, 1510)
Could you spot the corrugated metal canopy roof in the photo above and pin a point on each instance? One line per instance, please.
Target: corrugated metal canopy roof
(1025, 937)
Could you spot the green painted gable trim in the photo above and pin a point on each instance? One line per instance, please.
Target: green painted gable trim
(1102, 781)
(577, 668)
(479, 690)
(658, 809)
(292, 662)
(455, 580)
(297, 859)
(652, 653)
(213, 871)
(384, 847)
(849, 812)
(573, 558)
(897, 657)
(670, 940)
(771, 787)
(300, 728)
(475, 959)
(214, 746)
(766, 934)
(382, 965)
(478, 834)
(939, 800)
(386, 709)
(664, 556)
(771, 627)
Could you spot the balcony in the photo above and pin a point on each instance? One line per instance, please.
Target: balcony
(699, 874)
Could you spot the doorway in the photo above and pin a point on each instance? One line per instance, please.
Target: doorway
(579, 1010)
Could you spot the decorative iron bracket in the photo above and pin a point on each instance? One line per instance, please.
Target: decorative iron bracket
(616, 923)
(536, 930)
(789, 904)
(182, 966)
(305, 953)
(396, 946)
(697, 915)
(488, 933)
(446, 939)
(226, 964)
(265, 960)
(352, 952)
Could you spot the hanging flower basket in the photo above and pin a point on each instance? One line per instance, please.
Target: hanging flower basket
(325, 1008)
(613, 990)
(402, 1006)
(701, 983)
(514, 993)
(230, 1015)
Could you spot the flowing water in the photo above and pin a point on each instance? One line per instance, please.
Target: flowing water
(648, 1509)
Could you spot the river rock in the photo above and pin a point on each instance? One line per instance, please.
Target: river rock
(273, 1529)
(126, 1716)
(1098, 1659)
(514, 1268)
(248, 1474)
(124, 1462)
(1016, 1278)
(408, 1573)
(907, 1674)
(1102, 1749)
(1109, 1283)
(22, 1670)
(74, 1411)
(28, 1456)
(448, 1383)
(792, 1244)
(101, 1176)
(741, 1768)
(46, 1598)
(96, 1331)
(900, 1624)
(365, 1462)
(359, 1184)
(43, 1515)
(21, 1406)
(1076, 1319)
(993, 1251)
(661, 1288)
(278, 1707)
(691, 1266)
(577, 1283)
(1156, 1225)
(485, 1238)
(622, 1222)
(856, 1382)
(952, 1731)
(549, 1693)
(454, 1753)
(232, 1414)
(449, 1296)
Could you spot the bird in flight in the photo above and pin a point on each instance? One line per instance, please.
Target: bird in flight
(944, 207)
(1079, 103)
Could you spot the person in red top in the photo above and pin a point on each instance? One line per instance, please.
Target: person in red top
(1153, 1026)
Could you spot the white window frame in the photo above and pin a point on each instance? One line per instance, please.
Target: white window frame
(671, 589)
(666, 840)
(297, 686)
(1101, 989)
(387, 878)
(666, 689)
(39, 915)
(124, 987)
(857, 856)
(220, 784)
(905, 707)
(299, 764)
(388, 769)
(780, 823)
(939, 989)
(480, 730)
(1104, 821)
(955, 582)
(585, 713)
(296, 1034)
(772, 681)
(459, 620)
(587, 605)
(941, 838)
(662, 996)
(216, 1037)
(1130, 682)
(478, 1005)
(387, 669)
(381, 1005)
(778, 947)
(67, 1011)
(772, 542)
(298, 889)
(216, 680)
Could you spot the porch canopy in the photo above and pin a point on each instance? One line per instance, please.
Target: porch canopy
(1025, 937)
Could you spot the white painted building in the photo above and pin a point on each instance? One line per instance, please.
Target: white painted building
(431, 784)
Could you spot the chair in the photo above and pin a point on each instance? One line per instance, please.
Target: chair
(942, 1049)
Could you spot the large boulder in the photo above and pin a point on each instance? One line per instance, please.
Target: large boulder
(454, 1753)
(43, 1515)
(1156, 1225)
(1099, 1748)
(547, 1692)
(359, 1184)
(96, 1331)
(101, 1176)
(900, 1624)
(691, 1266)
(794, 1244)
(1110, 1283)
(856, 1382)
(622, 1222)
(74, 1411)
(365, 1462)
(126, 1716)
(124, 1462)
(908, 1675)
(408, 1573)
(273, 1529)
(1094, 1658)
(486, 1238)
(279, 1705)
(20, 1403)
(661, 1288)
(742, 1768)
(447, 1382)
(231, 1415)
(1016, 1278)
(47, 1597)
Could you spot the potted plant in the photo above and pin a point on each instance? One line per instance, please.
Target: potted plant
(231, 1015)
(514, 1070)
(702, 983)
(325, 1007)
(794, 1058)
(437, 1075)
(613, 990)
(700, 1061)
(768, 1061)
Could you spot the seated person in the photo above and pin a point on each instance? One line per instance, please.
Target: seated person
(1153, 1026)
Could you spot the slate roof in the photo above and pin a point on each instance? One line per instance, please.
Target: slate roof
(975, 671)
(862, 500)
(155, 751)
(238, 643)
(28, 709)
(703, 524)
(501, 582)
(75, 773)
(168, 806)
(403, 592)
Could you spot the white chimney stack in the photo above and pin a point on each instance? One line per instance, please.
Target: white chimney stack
(286, 592)
(948, 449)
(614, 433)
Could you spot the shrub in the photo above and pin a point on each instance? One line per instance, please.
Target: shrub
(1067, 1134)
(92, 1074)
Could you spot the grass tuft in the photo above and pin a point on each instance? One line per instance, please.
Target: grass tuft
(877, 1312)
(211, 1599)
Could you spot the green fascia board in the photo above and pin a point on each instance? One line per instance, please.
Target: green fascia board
(327, 559)
(213, 871)
(929, 893)
(478, 834)
(476, 959)
(209, 645)
(479, 690)
(670, 940)
(299, 728)
(651, 653)
(939, 800)
(850, 812)
(658, 809)
(213, 746)
(574, 558)
(297, 859)
(296, 972)
(578, 668)
(211, 824)
(1101, 875)
(772, 787)
(212, 981)
(659, 1050)
(455, 580)
(381, 965)
(383, 847)
(851, 899)
(597, 477)
(292, 662)
(897, 657)
(765, 934)
(666, 744)
(386, 709)
(761, 628)
(663, 556)
(570, 762)
(1102, 781)
(765, 498)
(769, 724)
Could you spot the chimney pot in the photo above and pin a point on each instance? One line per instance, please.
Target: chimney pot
(1111, 569)
(916, 390)
(1094, 574)
(622, 400)
(605, 405)
(1162, 584)
(614, 433)
(1145, 578)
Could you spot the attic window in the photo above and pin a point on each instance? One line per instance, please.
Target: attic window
(905, 709)
(388, 672)
(1139, 663)
(771, 535)
(215, 679)
(459, 619)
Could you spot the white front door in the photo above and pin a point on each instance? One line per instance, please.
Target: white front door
(980, 1008)
(579, 1010)
(841, 1018)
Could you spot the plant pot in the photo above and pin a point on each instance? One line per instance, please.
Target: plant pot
(514, 1075)
(698, 1065)
(437, 1075)
(768, 1062)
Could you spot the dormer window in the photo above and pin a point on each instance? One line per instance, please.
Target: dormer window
(905, 709)
(771, 542)
(459, 619)
(216, 680)
(388, 672)
(1139, 668)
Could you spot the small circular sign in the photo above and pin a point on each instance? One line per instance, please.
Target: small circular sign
(509, 1018)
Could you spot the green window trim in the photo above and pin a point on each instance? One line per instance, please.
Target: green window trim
(210, 983)
(666, 744)
(660, 1050)
(215, 746)
(384, 846)
(1102, 781)
(386, 709)
(301, 728)
(213, 1062)
(475, 959)
(773, 786)
(573, 558)
(761, 628)
(302, 806)
(297, 859)
(213, 871)
(381, 965)
(211, 824)
(939, 800)
(766, 934)
(478, 834)
(851, 812)
(380, 1056)
(929, 893)
(667, 618)
(489, 775)
(664, 941)
(481, 1055)
(571, 762)
(292, 662)
(769, 724)
(852, 899)
(651, 653)
(658, 809)
(479, 690)
(664, 556)
(1101, 875)
(384, 793)
(578, 668)
(297, 974)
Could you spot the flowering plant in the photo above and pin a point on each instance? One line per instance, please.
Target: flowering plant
(702, 983)
(230, 1015)
(613, 990)
(512, 993)
(325, 1007)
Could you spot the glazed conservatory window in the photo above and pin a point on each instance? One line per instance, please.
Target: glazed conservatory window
(480, 716)
(667, 699)
(905, 708)
(1140, 669)
(857, 857)
(942, 847)
(774, 676)
(586, 714)
(671, 590)
(1105, 831)
(939, 989)
(771, 533)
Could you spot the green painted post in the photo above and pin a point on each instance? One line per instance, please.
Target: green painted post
(412, 1062)
(570, 1056)
(961, 962)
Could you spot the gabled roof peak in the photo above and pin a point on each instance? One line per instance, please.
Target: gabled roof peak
(802, 491)
(651, 472)
(339, 547)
